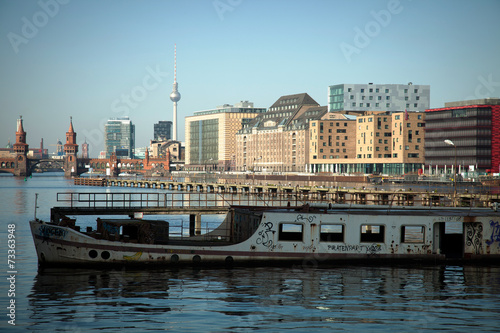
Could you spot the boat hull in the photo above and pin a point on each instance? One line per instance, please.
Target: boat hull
(284, 237)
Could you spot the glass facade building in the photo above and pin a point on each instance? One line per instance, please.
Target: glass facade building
(163, 131)
(473, 128)
(119, 137)
(204, 135)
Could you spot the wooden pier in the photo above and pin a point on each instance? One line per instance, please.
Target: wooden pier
(308, 193)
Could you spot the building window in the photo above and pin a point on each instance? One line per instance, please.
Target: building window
(362, 90)
(415, 91)
(387, 91)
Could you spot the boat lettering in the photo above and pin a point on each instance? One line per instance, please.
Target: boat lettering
(374, 248)
(265, 236)
(49, 231)
(301, 218)
(449, 218)
(495, 233)
(308, 248)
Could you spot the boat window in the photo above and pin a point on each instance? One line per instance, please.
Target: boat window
(291, 232)
(412, 234)
(331, 233)
(372, 233)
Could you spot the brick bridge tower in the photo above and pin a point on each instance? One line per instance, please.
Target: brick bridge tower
(21, 150)
(70, 151)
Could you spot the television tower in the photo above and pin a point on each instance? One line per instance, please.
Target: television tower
(175, 96)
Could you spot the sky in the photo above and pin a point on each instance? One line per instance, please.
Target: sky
(93, 60)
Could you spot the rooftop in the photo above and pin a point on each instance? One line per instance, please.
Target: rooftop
(482, 101)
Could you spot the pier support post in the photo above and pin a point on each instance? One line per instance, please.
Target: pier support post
(194, 224)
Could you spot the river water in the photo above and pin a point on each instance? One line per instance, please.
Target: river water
(268, 299)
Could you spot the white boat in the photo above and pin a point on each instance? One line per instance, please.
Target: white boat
(309, 235)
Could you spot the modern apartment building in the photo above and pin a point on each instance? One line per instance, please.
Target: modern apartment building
(472, 129)
(376, 142)
(390, 142)
(378, 97)
(119, 137)
(332, 141)
(210, 135)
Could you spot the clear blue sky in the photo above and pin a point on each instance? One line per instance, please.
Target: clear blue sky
(80, 58)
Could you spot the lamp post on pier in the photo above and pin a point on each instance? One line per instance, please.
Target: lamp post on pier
(450, 143)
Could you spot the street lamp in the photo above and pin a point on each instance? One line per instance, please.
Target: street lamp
(450, 143)
(206, 171)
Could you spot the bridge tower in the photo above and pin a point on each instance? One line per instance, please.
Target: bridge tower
(70, 151)
(21, 150)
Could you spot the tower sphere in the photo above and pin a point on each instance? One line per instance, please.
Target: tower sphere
(175, 96)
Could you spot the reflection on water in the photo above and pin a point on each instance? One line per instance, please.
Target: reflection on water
(361, 298)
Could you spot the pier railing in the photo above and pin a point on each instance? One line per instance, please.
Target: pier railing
(173, 200)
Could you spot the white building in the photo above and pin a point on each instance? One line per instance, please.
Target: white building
(378, 97)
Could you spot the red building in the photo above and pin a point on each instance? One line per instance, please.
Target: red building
(466, 133)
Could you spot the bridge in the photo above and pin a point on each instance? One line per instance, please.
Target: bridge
(19, 163)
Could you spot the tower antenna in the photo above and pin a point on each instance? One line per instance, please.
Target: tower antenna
(175, 97)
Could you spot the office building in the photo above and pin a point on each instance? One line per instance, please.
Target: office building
(378, 97)
(119, 137)
(163, 131)
(472, 129)
(210, 135)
